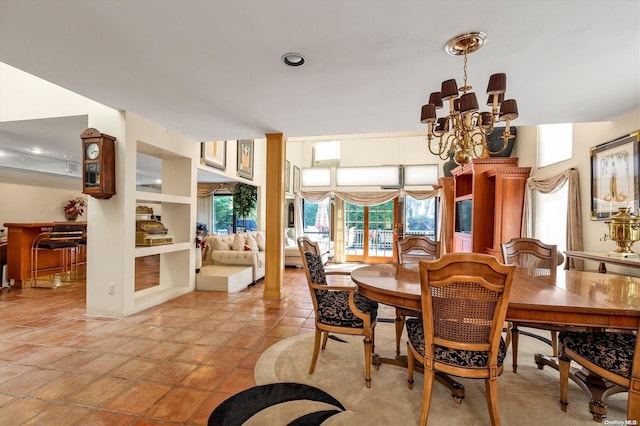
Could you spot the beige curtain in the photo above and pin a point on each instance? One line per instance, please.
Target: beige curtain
(550, 185)
(205, 189)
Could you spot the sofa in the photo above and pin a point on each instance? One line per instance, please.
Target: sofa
(292, 253)
(243, 248)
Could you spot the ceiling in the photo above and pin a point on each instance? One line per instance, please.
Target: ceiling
(212, 70)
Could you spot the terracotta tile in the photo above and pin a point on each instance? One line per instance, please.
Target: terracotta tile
(107, 418)
(21, 410)
(59, 414)
(135, 346)
(134, 368)
(214, 338)
(206, 377)
(172, 407)
(196, 354)
(250, 360)
(187, 336)
(29, 380)
(238, 380)
(164, 350)
(59, 388)
(227, 356)
(169, 373)
(243, 342)
(201, 415)
(97, 393)
(138, 398)
(104, 363)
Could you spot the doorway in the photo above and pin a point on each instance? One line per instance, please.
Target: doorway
(369, 232)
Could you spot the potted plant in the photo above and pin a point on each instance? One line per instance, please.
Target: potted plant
(245, 198)
(74, 207)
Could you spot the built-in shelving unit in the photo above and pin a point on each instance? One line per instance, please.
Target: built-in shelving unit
(174, 203)
(491, 192)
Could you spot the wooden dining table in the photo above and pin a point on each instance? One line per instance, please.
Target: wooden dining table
(578, 298)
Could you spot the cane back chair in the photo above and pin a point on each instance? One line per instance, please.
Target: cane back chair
(338, 308)
(412, 249)
(537, 259)
(464, 304)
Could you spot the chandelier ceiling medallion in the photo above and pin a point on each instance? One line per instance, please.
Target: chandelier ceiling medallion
(463, 132)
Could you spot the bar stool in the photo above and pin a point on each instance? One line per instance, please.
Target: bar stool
(63, 237)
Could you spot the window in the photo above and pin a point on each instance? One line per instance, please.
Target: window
(316, 220)
(550, 221)
(223, 217)
(555, 143)
(367, 176)
(420, 217)
(326, 154)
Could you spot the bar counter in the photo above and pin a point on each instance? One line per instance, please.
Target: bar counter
(20, 237)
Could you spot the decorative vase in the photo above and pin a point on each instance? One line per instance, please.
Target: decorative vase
(494, 142)
(71, 216)
(448, 166)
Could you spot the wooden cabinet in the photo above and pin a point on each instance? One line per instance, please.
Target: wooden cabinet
(488, 204)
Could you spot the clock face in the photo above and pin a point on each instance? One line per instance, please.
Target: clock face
(92, 151)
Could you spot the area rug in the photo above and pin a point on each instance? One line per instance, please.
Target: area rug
(336, 394)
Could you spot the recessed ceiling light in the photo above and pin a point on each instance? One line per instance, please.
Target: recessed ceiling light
(66, 157)
(293, 59)
(36, 150)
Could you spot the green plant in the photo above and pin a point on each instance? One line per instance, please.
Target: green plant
(245, 198)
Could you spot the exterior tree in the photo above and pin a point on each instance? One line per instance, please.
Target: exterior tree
(245, 198)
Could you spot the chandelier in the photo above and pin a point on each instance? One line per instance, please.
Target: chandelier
(462, 134)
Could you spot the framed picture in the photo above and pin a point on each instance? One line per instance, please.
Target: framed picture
(296, 179)
(615, 167)
(245, 159)
(214, 154)
(287, 176)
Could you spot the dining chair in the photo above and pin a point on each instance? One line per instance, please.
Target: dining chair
(412, 249)
(338, 308)
(537, 259)
(614, 356)
(63, 238)
(464, 299)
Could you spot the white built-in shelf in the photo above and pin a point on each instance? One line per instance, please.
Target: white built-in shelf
(155, 197)
(164, 248)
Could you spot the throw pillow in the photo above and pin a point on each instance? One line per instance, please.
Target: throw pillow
(261, 241)
(252, 243)
(238, 242)
(218, 244)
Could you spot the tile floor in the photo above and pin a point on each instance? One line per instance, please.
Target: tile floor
(171, 364)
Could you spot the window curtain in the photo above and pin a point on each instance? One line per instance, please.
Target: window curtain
(204, 212)
(298, 221)
(549, 185)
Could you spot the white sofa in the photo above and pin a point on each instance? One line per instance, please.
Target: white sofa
(245, 248)
(292, 253)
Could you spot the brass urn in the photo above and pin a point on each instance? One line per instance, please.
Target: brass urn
(624, 229)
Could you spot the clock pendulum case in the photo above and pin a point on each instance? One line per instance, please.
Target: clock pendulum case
(98, 164)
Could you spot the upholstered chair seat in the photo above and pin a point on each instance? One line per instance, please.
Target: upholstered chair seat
(453, 357)
(338, 308)
(613, 356)
(333, 308)
(610, 351)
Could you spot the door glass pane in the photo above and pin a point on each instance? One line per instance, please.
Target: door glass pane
(381, 230)
(316, 220)
(222, 214)
(353, 229)
(420, 217)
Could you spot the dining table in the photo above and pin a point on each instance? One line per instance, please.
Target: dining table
(578, 298)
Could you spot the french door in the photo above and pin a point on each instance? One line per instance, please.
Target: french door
(369, 232)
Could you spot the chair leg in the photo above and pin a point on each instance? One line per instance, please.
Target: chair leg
(514, 346)
(507, 337)
(565, 365)
(325, 336)
(410, 364)
(426, 395)
(368, 344)
(491, 386)
(554, 342)
(399, 328)
(316, 349)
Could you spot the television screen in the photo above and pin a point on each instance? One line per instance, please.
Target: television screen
(463, 216)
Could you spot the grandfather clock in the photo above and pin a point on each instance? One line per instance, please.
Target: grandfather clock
(98, 164)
